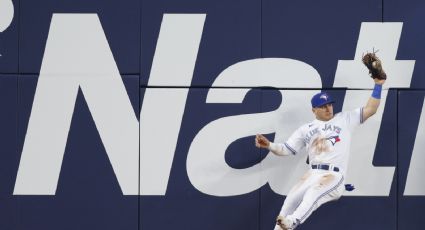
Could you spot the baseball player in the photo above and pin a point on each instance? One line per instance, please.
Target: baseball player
(327, 141)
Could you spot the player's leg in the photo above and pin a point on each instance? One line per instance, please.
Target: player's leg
(295, 196)
(328, 186)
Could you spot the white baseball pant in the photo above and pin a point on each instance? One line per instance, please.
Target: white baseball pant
(315, 188)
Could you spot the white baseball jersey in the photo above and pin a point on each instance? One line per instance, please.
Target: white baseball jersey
(326, 142)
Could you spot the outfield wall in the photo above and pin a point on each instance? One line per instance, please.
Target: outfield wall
(141, 114)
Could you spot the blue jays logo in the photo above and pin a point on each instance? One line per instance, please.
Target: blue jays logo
(333, 139)
(324, 96)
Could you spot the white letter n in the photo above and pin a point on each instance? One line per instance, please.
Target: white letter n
(77, 56)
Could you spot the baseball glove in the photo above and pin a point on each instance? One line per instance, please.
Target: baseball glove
(374, 65)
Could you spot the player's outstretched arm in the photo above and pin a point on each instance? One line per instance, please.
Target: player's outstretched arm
(262, 142)
(374, 100)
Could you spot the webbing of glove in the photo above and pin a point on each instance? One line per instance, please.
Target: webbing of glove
(372, 62)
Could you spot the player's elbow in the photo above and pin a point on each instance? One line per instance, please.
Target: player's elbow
(277, 149)
(284, 153)
(280, 153)
(372, 112)
(368, 112)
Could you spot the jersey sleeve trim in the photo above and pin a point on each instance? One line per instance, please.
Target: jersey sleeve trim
(361, 115)
(290, 148)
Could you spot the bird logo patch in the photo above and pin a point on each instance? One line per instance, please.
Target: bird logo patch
(324, 96)
(333, 139)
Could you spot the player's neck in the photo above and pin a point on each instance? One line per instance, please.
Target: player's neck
(324, 119)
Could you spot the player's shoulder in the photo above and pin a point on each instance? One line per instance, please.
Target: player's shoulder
(349, 112)
(349, 115)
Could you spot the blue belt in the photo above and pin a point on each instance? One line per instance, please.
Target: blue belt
(325, 167)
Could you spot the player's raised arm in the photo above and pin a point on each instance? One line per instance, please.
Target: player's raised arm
(374, 100)
(379, 76)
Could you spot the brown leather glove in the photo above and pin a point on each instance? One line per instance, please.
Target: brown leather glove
(374, 65)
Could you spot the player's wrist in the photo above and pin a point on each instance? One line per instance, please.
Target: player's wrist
(271, 146)
(377, 89)
(379, 81)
